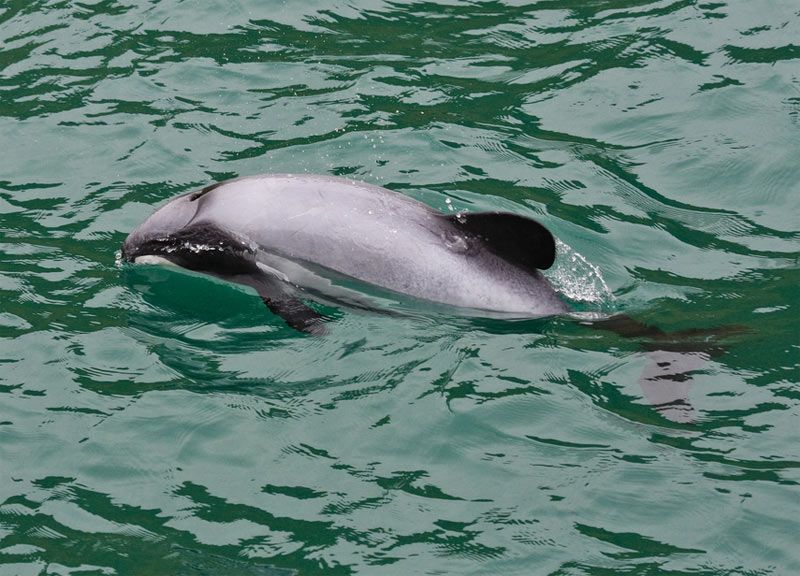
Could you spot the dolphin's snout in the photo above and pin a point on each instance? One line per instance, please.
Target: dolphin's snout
(148, 238)
(128, 254)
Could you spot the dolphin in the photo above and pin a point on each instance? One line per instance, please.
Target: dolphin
(288, 235)
(274, 232)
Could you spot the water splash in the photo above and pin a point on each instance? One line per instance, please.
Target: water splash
(578, 279)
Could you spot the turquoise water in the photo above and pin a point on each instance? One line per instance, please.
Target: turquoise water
(153, 422)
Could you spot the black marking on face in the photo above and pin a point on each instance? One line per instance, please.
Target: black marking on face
(202, 247)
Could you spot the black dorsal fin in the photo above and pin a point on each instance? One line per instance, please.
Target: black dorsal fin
(517, 239)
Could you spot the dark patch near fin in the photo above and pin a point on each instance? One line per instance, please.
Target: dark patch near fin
(517, 239)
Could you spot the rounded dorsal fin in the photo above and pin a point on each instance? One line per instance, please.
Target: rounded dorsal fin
(519, 240)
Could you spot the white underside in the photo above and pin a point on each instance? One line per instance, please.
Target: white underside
(152, 259)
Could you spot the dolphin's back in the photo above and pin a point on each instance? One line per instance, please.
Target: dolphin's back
(376, 236)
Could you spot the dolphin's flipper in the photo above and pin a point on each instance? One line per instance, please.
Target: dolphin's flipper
(517, 239)
(279, 297)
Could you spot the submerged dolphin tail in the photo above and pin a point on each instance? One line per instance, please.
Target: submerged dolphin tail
(673, 358)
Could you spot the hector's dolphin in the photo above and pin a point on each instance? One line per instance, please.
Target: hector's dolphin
(279, 233)
(261, 230)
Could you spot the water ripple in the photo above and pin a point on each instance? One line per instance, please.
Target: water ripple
(157, 422)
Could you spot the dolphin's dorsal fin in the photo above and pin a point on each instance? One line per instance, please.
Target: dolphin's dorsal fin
(517, 239)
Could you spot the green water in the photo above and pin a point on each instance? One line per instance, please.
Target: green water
(158, 423)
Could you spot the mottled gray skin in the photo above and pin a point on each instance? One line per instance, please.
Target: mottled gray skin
(359, 230)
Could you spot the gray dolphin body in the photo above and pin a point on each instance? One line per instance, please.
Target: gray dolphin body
(260, 230)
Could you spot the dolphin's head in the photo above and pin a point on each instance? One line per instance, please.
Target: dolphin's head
(154, 236)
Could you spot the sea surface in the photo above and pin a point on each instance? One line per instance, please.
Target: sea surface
(156, 422)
